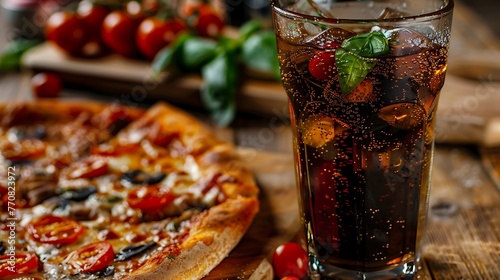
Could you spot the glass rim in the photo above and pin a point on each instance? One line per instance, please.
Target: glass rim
(276, 7)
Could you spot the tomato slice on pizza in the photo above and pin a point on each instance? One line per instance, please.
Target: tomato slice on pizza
(52, 229)
(24, 262)
(91, 258)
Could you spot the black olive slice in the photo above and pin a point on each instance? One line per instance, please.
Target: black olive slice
(2, 248)
(133, 250)
(107, 271)
(79, 194)
(139, 177)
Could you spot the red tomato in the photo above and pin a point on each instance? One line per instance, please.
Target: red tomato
(52, 229)
(290, 259)
(46, 85)
(93, 166)
(154, 34)
(118, 32)
(208, 23)
(25, 262)
(91, 258)
(149, 198)
(323, 66)
(92, 16)
(67, 31)
(17, 203)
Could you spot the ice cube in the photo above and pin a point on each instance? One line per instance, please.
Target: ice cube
(404, 41)
(310, 7)
(403, 115)
(329, 37)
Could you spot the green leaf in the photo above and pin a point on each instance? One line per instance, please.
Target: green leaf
(260, 53)
(352, 69)
(220, 81)
(170, 55)
(10, 59)
(249, 28)
(197, 51)
(367, 45)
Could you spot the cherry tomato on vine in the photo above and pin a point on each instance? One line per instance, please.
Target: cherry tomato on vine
(67, 31)
(91, 258)
(204, 19)
(149, 198)
(46, 85)
(290, 259)
(25, 262)
(92, 16)
(118, 33)
(52, 229)
(154, 34)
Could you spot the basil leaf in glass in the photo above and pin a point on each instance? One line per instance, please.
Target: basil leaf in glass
(372, 44)
(352, 69)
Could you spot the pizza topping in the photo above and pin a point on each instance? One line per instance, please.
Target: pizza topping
(139, 177)
(114, 150)
(91, 167)
(52, 229)
(133, 250)
(79, 194)
(107, 234)
(25, 262)
(83, 212)
(2, 248)
(23, 150)
(106, 272)
(91, 258)
(43, 192)
(17, 133)
(149, 198)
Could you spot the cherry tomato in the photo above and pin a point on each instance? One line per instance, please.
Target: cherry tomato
(91, 258)
(154, 34)
(290, 259)
(93, 166)
(67, 31)
(46, 85)
(92, 16)
(52, 229)
(289, 278)
(208, 23)
(25, 262)
(322, 66)
(149, 198)
(118, 32)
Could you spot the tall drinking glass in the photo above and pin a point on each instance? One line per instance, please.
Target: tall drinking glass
(363, 80)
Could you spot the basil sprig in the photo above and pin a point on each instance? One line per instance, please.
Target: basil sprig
(218, 61)
(357, 57)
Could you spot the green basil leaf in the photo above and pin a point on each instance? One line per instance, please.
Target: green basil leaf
(352, 69)
(220, 81)
(249, 28)
(170, 55)
(10, 58)
(260, 53)
(197, 51)
(367, 45)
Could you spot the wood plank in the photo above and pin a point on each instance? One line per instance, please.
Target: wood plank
(463, 238)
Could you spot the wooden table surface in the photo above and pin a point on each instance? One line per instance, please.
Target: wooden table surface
(463, 236)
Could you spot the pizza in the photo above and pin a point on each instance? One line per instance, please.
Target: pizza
(104, 191)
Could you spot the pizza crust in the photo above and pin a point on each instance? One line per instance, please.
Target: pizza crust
(211, 239)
